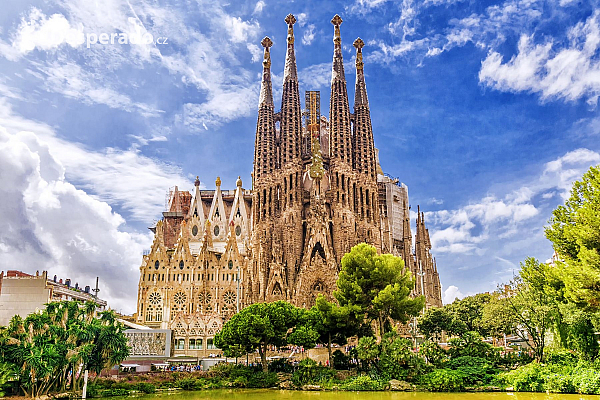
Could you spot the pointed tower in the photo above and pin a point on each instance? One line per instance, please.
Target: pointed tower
(339, 111)
(291, 122)
(264, 148)
(364, 148)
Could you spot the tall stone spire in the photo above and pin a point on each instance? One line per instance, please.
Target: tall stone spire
(291, 114)
(264, 147)
(363, 146)
(266, 87)
(339, 110)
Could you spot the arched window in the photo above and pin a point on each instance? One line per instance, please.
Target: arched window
(181, 264)
(230, 264)
(156, 264)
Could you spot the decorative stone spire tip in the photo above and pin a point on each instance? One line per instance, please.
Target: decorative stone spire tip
(197, 181)
(218, 181)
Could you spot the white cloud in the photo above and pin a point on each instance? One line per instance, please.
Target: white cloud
(433, 200)
(258, 8)
(451, 294)
(120, 177)
(239, 30)
(72, 81)
(50, 225)
(223, 105)
(364, 6)
(309, 35)
(257, 53)
(41, 32)
(568, 73)
(470, 228)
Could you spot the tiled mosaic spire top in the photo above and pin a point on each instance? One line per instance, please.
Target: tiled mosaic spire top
(364, 147)
(264, 146)
(266, 87)
(290, 70)
(291, 114)
(339, 110)
(360, 97)
(338, 61)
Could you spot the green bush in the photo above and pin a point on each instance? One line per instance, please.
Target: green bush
(528, 378)
(309, 372)
(472, 345)
(145, 387)
(474, 370)
(340, 360)
(113, 392)
(434, 353)
(514, 359)
(586, 381)
(559, 383)
(443, 380)
(189, 384)
(362, 382)
(280, 365)
(561, 357)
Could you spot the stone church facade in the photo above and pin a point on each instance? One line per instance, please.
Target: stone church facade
(317, 190)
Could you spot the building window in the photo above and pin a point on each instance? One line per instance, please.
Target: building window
(209, 344)
(230, 264)
(192, 344)
(179, 344)
(156, 264)
(181, 264)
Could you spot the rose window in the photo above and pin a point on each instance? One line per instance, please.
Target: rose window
(229, 297)
(154, 298)
(205, 297)
(179, 298)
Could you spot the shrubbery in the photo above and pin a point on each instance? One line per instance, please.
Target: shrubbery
(362, 382)
(309, 373)
(443, 380)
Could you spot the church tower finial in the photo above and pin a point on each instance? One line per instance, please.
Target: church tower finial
(290, 71)
(266, 87)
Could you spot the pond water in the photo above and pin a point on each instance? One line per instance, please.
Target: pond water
(266, 394)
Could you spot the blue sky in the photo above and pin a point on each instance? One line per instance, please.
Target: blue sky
(487, 110)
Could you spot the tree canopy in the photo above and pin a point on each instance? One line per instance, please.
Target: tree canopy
(378, 286)
(575, 234)
(46, 346)
(261, 325)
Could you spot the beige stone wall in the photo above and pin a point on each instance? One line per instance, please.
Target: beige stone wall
(22, 296)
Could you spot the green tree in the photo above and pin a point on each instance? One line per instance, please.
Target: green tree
(261, 325)
(525, 307)
(66, 337)
(469, 311)
(378, 286)
(334, 323)
(575, 234)
(440, 319)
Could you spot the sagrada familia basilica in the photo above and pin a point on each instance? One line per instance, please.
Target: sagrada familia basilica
(317, 190)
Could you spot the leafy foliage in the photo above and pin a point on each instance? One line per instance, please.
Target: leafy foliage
(46, 346)
(377, 287)
(264, 324)
(575, 234)
(309, 372)
(443, 380)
